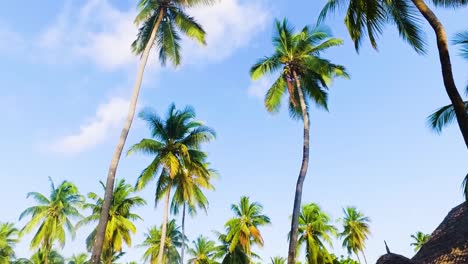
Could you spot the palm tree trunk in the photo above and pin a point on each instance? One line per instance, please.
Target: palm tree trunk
(357, 255)
(444, 56)
(164, 227)
(101, 229)
(364, 255)
(301, 178)
(183, 235)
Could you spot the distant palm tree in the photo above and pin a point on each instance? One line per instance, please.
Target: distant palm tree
(8, 240)
(161, 22)
(120, 225)
(419, 240)
(356, 231)
(79, 259)
(204, 251)
(174, 145)
(53, 257)
(236, 256)
(52, 216)
(367, 19)
(306, 77)
(315, 231)
(277, 260)
(173, 242)
(243, 228)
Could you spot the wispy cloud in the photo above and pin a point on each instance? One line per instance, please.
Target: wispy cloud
(109, 116)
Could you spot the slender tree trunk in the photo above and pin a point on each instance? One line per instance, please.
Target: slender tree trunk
(301, 178)
(444, 56)
(101, 229)
(357, 255)
(183, 235)
(364, 255)
(164, 227)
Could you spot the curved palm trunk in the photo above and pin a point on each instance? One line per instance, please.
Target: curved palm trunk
(357, 255)
(364, 255)
(164, 227)
(444, 56)
(301, 178)
(183, 235)
(101, 229)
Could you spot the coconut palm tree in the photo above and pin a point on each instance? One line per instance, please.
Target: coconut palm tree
(52, 216)
(419, 240)
(243, 228)
(306, 76)
(120, 225)
(8, 240)
(315, 232)
(356, 231)
(175, 145)
(367, 18)
(236, 256)
(173, 242)
(79, 259)
(277, 260)
(204, 251)
(161, 23)
(40, 257)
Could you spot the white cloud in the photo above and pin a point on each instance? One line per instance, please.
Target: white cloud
(108, 117)
(230, 25)
(257, 89)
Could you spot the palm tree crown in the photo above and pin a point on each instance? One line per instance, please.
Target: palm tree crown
(8, 239)
(419, 240)
(204, 251)
(356, 230)
(173, 242)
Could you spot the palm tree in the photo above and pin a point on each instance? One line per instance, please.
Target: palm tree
(8, 239)
(176, 148)
(236, 256)
(306, 77)
(173, 241)
(419, 240)
(315, 231)
(161, 22)
(52, 216)
(367, 18)
(78, 259)
(204, 251)
(120, 224)
(40, 257)
(242, 229)
(277, 260)
(355, 233)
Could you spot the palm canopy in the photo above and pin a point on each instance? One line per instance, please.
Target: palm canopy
(316, 232)
(78, 259)
(419, 240)
(242, 229)
(277, 260)
(298, 53)
(8, 239)
(204, 251)
(173, 242)
(39, 258)
(173, 21)
(53, 215)
(236, 256)
(120, 225)
(356, 230)
(174, 144)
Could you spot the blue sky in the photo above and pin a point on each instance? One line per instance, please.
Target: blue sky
(67, 71)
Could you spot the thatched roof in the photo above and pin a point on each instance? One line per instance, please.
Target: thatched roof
(448, 243)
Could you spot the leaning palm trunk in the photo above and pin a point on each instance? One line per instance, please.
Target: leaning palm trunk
(357, 255)
(364, 255)
(183, 235)
(301, 178)
(162, 242)
(101, 229)
(444, 56)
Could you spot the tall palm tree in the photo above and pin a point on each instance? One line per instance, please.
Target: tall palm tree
(162, 22)
(367, 18)
(236, 256)
(175, 145)
(243, 228)
(315, 231)
(78, 259)
(8, 239)
(120, 224)
(356, 231)
(52, 216)
(173, 242)
(204, 251)
(306, 76)
(278, 260)
(419, 240)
